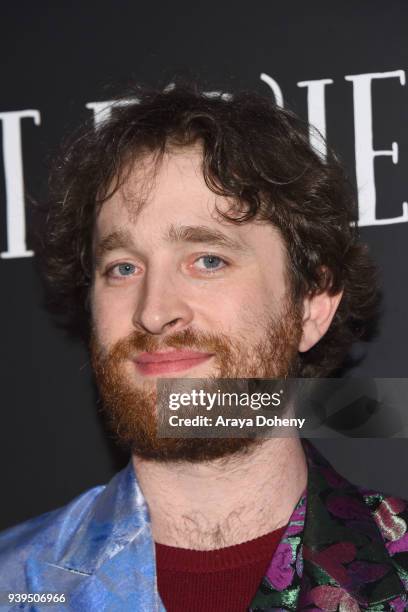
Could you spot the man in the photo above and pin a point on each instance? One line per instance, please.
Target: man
(198, 236)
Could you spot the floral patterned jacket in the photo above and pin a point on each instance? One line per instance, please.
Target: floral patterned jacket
(344, 549)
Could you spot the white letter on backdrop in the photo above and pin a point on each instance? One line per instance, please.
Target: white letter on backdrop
(14, 181)
(316, 104)
(365, 153)
(276, 90)
(102, 110)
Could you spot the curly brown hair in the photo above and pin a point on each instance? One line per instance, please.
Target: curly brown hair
(253, 152)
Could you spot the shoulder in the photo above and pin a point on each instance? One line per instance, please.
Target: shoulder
(391, 516)
(368, 516)
(48, 532)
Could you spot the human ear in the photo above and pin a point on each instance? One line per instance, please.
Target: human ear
(318, 312)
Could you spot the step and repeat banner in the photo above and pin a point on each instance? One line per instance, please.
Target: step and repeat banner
(342, 65)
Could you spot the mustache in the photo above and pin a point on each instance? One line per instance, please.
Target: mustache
(188, 338)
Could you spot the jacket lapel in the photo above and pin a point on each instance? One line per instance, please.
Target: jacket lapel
(332, 555)
(109, 561)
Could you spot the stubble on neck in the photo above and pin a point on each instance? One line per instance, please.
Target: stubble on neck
(226, 501)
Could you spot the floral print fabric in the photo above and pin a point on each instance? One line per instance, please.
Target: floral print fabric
(345, 549)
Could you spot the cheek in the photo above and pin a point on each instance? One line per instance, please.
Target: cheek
(247, 313)
(236, 313)
(111, 318)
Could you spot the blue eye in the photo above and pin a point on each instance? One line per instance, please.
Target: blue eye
(211, 262)
(123, 269)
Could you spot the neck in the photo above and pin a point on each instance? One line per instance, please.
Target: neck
(226, 501)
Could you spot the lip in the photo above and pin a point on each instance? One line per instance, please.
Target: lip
(169, 361)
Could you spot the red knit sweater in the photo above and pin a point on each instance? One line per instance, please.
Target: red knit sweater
(223, 580)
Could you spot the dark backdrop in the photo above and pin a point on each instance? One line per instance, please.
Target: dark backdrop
(56, 58)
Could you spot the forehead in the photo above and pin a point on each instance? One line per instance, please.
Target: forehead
(159, 195)
(170, 184)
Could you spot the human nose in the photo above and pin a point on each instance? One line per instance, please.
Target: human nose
(161, 306)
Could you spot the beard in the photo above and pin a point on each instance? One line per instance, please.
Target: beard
(130, 408)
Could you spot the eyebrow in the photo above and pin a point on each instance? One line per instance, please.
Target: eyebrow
(122, 239)
(119, 239)
(203, 234)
